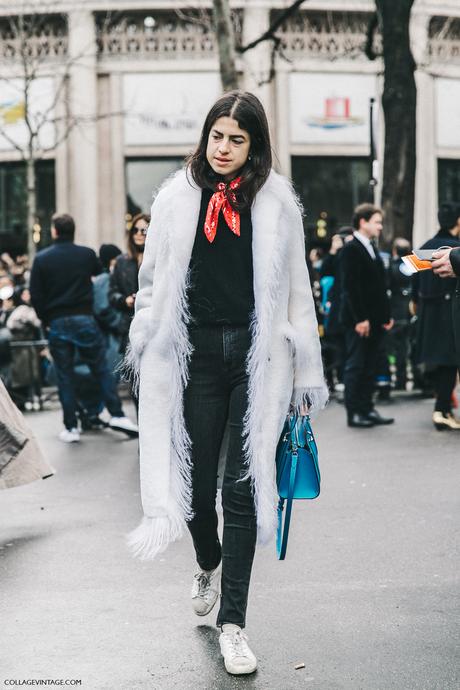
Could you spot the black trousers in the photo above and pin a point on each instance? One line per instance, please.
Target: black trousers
(444, 379)
(360, 369)
(218, 390)
(399, 348)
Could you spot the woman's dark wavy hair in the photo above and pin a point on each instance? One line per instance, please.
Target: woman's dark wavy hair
(248, 111)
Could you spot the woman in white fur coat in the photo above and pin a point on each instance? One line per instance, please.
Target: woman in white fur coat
(223, 341)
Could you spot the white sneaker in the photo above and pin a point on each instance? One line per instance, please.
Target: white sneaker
(238, 658)
(124, 424)
(205, 590)
(69, 435)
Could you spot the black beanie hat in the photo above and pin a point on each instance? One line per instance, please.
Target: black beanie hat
(448, 214)
(107, 252)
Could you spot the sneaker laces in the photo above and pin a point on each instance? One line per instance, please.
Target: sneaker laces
(203, 585)
(238, 643)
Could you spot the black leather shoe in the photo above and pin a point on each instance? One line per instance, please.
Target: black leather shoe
(376, 418)
(359, 421)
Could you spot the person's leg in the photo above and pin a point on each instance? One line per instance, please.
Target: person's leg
(240, 524)
(400, 341)
(92, 349)
(63, 352)
(445, 379)
(205, 413)
(353, 372)
(371, 353)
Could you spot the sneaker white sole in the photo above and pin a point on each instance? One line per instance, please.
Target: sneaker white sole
(239, 669)
(206, 611)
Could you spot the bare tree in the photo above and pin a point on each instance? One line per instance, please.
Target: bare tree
(227, 45)
(399, 108)
(31, 54)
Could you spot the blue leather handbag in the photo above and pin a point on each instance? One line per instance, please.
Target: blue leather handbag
(297, 472)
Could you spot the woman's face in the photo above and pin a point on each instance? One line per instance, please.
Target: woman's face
(228, 147)
(139, 232)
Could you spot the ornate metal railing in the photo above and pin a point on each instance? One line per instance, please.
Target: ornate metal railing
(35, 38)
(444, 50)
(444, 39)
(327, 36)
(167, 43)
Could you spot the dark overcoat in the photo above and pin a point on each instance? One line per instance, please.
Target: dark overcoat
(433, 296)
(455, 261)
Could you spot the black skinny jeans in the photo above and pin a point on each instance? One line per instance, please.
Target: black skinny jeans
(217, 390)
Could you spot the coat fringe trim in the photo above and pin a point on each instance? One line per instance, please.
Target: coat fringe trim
(181, 470)
(315, 399)
(254, 447)
(153, 535)
(129, 369)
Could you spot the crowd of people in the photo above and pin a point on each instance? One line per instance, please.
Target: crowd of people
(407, 345)
(385, 328)
(64, 321)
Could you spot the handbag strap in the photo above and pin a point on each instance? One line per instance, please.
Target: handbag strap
(283, 532)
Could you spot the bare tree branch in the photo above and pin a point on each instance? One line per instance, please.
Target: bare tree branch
(269, 35)
(371, 31)
(11, 141)
(202, 20)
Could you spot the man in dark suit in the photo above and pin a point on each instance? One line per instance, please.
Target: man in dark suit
(447, 265)
(365, 315)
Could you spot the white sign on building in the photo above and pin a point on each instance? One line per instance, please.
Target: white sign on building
(329, 108)
(167, 108)
(13, 110)
(447, 99)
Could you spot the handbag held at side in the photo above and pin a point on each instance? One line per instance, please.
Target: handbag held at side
(297, 472)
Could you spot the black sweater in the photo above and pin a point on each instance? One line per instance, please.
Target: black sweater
(60, 281)
(221, 273)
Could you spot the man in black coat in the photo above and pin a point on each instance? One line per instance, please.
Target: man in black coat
(365, 315)
(62, 295)
(447, 265)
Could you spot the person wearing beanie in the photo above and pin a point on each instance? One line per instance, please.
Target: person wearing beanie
(433, 296)
(90, 402)
(447, 265)
(107, 255)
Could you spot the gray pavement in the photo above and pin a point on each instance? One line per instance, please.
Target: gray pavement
(367, 598)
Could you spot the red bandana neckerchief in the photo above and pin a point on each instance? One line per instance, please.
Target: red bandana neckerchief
(218, 201)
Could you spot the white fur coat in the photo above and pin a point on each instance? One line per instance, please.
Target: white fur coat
(284, 361)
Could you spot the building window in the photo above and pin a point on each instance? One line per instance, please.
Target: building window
(448, 179)
(13, 205)
(143, 177)
(329, 188)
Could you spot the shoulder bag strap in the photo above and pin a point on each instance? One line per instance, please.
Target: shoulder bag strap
(283, 532)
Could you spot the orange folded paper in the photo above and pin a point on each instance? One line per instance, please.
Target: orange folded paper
(416, 264)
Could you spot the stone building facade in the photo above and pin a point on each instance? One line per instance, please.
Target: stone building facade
(134, 80)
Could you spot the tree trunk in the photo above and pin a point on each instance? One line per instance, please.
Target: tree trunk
(399, 108)
(31, 206)
(226, 45)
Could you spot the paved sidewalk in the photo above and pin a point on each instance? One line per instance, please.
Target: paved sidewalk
(367, 598)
